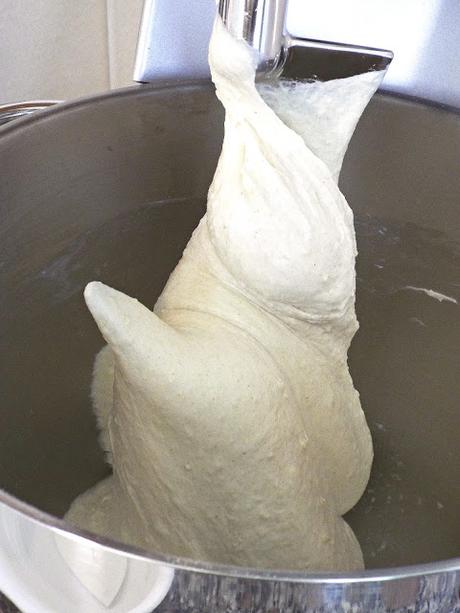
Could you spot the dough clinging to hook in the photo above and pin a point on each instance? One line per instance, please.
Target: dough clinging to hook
(228, 413)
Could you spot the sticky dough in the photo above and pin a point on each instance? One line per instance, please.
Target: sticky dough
(229, 414)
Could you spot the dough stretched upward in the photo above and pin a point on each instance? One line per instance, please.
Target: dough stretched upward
(229, 414)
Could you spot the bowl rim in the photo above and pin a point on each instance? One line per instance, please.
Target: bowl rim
(49, 109)
(384, 575)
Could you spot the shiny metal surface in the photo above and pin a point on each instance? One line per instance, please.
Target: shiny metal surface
(324, 61)
(423, 35)
(261, 24)
(110, 188)
(173, 42)
(183, 586)
(8, 112)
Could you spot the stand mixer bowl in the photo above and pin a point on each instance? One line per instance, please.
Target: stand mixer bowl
(110, 188)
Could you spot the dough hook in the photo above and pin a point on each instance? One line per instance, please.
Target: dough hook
(261, 23)
(174, 40)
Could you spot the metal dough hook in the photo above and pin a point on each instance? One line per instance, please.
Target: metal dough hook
(174, 38)
(261, 23)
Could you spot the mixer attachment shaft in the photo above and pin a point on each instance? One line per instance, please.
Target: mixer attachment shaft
(261, 23)
(174, 39)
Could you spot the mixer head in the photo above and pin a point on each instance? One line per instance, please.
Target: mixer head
(174, 39)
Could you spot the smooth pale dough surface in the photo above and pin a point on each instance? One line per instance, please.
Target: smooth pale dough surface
(229, 414)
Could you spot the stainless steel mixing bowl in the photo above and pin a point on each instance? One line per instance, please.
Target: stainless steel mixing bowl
(110, 188)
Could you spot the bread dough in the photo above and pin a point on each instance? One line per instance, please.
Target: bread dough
(229, 413)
